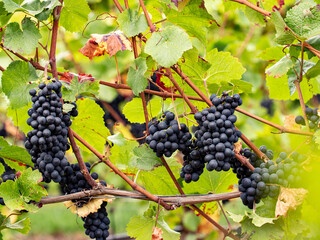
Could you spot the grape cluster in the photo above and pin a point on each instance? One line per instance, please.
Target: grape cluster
(313, 117)
(167, 135)
(193, 165)
(267, 178)
(47, 142)
(74, 181)
(8, 174)
(97, 224)
(216, 132)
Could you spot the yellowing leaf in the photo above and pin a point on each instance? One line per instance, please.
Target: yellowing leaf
(91, 207)
(289, 198)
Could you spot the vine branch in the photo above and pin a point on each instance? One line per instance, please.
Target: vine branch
(151, 26)
(169, 199)
(254, 7)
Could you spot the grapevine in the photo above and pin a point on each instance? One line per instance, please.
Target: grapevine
(167, 102)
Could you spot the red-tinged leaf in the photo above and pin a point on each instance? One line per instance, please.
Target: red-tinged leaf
(101, 44)
(157, 233)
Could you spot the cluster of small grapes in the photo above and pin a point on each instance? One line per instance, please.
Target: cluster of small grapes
(267, 178)
(97, 224)
(74, 181)
(193, 165)
(8, 174)
(47, 142)
(313, 117)
(215, 137)
(167, 135)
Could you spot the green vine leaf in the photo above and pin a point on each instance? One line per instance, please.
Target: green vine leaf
(146, 158)
(136, 79)
(281, 67)
(33, 7)
(4, 15)
(131, 23)
(16, 154)
(25, 40)
(158, 181)
(19, 117)
(258, 220)
(18, 194)
(74, 15)
(224, 67)
(77, 87)
(22, 226)
(167, 46)
(133, 107)
(284, 35)
(140, 227)
(194, 19)
(16, 83)
(304, 19)
(118, 139)
(123, 156)
(89, 124)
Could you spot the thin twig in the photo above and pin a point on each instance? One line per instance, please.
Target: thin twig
(82, 166)
(113, 113)
(118, 6)
(176, 85)
(151, 26)
(254, 7)
(244, 161)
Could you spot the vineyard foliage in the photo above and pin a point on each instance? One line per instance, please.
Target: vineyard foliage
(124, 64)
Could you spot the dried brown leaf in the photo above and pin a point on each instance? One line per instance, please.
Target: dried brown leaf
(101, 44)
(289, 198)
(157, 234)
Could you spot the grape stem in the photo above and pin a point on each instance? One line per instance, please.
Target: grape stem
(54, 37)
(82, 166)
(121, 174)
(244, 161)
(254, 7)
